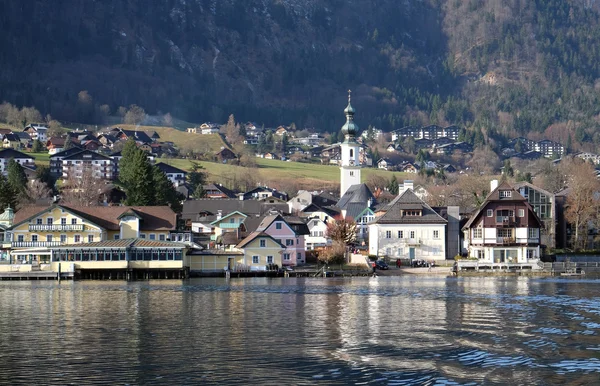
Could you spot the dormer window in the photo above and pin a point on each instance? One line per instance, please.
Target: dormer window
(505, 193)
(412, 213)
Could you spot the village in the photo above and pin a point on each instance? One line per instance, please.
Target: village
(207, 228)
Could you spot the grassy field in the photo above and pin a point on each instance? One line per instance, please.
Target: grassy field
(183, 140)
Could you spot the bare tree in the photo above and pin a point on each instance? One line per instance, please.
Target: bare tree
(86, 190)
(342, 230)
(135, 115)
(37, 190)
(582, 204)
(167, 120)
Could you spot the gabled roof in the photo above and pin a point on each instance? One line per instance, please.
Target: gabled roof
(22, 135)
(494, 196)
(354, 209)
(257, 235)
(408, 200)
(229, 193)
(68, 152)
(12, 153)
(356, 193)
(298, 224)
(152, 217)
(191, 208)
(227, 216)
(12, 137)
(330, 211)
(86, 155)
(168, 169)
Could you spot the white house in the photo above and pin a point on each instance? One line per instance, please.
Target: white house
(408, 229)
(318, 234)
(21, 158)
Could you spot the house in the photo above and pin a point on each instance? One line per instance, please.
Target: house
(591, 157)
(107, 140)
(450, 148)
(21, 158)
(292, 240)
(262, 192)
(36, 131)
(55, 145)
(193, 130)
(394, 148)
(261, 250)
(281, 130)
(423, 143)
(101, 166)
(175, 175)
(306, 198)
(218, 191)
(38, 232)
(230, 222)
(318, 234)
(522, 142)
(140, 137)
(225, 155)
(504, 230)
(356, 203)
(428, 132)
(550, 149)
(214, 129)
(385, 164)
(12, 141)
(408, 228)
(408, 167)
(270, 156)
(56, 166)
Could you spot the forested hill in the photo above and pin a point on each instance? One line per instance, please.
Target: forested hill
(502, 66)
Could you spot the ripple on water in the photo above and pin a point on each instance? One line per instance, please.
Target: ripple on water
(584, 365)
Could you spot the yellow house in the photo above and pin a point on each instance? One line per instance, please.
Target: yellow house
(35, 229)
(260, 250)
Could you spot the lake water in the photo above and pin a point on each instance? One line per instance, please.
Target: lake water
(388, 330)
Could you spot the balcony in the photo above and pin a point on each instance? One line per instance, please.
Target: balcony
(503, 221)
(55, 228)
(35, 244)
(412, 242)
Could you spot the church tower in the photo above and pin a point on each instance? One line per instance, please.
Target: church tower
(349, 148)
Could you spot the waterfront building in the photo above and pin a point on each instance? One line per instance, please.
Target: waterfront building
(505, 229)
(408, 228)
(260, 250)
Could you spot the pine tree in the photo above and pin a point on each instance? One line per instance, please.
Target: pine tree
(8, 197)
(393, 185)
(196, 177)
(137, 176)
(199, 192)
(17, 180)
(164, 191)
(36, 147)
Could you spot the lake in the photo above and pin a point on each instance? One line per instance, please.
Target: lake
(406, 330)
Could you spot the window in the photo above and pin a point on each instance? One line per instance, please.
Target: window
(90, 238)
(63, 238)
(351, 153)
(63, 221)
(505, 193)
(116, 237)
(436, 234)
(289, 242)
(412, 234)
(400, 251)
(20, 238)
(263, 243)
(269, 259)
(152, 236)
(161, 237)
(48, 238)
(49, 220)
(142, 235)
(436, 251)
(315, 222)
(298, 256)
(39, 221)
(480, 254)
(490, 213)
(255, 260)
(400, 234)
(530, 254)
(533, 233)
(34, 238)
(73, 221)
(232, 221)
(477, 233)
(351, 173)
(388, 234)
(77, 238)
(286, 257)
(505, 233)
(521, 212)
(277, 225)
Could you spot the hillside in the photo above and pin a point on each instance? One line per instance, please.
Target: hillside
(505, 68)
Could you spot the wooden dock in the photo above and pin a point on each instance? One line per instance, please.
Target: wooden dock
(37, 275)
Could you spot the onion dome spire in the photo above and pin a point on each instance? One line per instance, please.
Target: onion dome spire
(350, 129)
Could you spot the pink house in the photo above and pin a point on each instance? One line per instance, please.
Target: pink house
(290, 234)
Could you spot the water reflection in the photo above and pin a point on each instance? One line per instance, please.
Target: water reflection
(402, 330)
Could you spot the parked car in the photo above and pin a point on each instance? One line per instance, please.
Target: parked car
(380, 264)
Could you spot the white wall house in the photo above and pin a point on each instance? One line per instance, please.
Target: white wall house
(408, 229)
(318, 234)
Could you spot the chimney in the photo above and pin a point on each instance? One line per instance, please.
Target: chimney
(219, 214)
(408, 184)
(493, 185)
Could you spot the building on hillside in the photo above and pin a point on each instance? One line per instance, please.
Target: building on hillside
(11, 141)
(21, 158)
(550, 149)
(55, 145)
(75, 165)
(37, 131)
(175, 175)
(262, 192)
(408, 228)
(428, 132)
(225, 155)
(56, 166)
(504, 230)
(218, 191)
